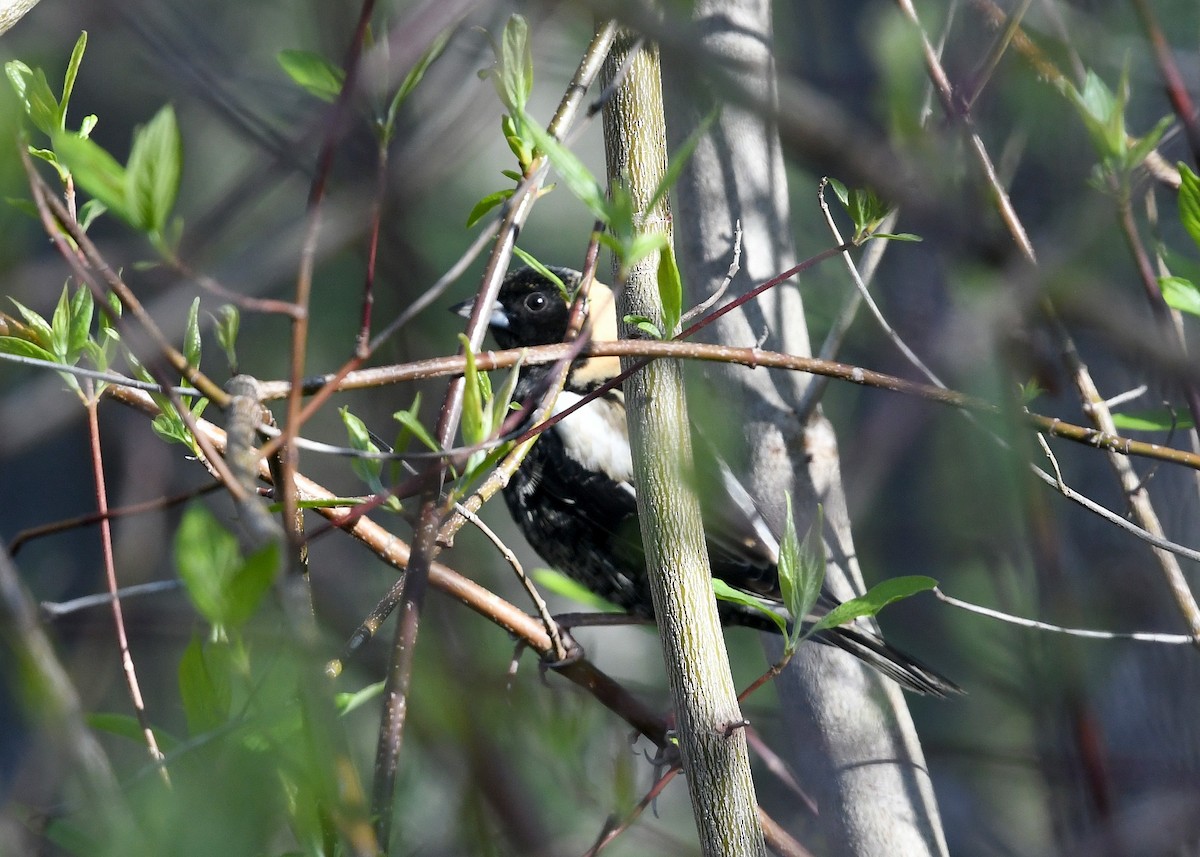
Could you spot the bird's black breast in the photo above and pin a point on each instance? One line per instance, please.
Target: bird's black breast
(582, 522)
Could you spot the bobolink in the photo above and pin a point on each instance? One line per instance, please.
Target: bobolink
(574, 495)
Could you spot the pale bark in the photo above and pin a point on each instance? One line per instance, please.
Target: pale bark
(12, 11)
(855, 749)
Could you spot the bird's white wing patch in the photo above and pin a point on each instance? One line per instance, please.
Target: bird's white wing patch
(596, 436)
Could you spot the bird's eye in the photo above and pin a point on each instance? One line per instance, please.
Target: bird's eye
(535, 302)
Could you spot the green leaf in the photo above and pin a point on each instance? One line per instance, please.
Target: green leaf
(25, 206)
(473, 417)
(516, 65)
(1189, 202)
(642, 245)
(897, 236)
(533, 262)
(24, 348)
(413, 78)
(109, 336)
(205, 685)
(69, 79)
(577, 177)
(224, 588)
(227, 320)
(503, 400)
(251, 582)
(645, 325)
(1030, 390)
(518, 144)
(1153, 419)
(89, 211)
(347, 702)
(127, 726)
(207, 556)
(866, 210)
(35, 95)
(876, 598)
(41, 329)
(191, 335)
(670, 290)
(725, 592)
(367, 469)
(801, 568)
(679, 160)
(97, 172)
(1180, 294)
(60, 326)
(558, 583)
(404, 436)
(152, 177)
(313, 73)
(80, 329)
(1144, 145)
(487, 204)
(840, 192)
(1103, 113)
(409, 420)
(168, 426)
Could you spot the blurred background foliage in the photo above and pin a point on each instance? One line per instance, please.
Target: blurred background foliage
(1059, 747)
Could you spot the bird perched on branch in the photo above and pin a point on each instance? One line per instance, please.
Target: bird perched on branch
(574, 496)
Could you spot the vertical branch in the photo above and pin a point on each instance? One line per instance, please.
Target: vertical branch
(851, 733)
(713, 744)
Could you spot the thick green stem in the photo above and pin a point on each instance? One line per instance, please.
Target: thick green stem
(712, 743)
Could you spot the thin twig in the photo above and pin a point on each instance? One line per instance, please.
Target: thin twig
(91, 405)
(1139, 500)
(539, 603)
(1139, 637)
(735, 265)
(28, 535)
(58, 609)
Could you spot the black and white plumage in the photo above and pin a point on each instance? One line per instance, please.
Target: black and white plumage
(574, 497)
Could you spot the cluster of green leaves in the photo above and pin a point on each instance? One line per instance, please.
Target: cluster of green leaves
(168, 424)
(142, 192)
(370, 469)
(1103, 113)
(238, 690)
(801, 576)
(867, 211)
(483, 416)
(1181, 292)
(512, 75)
(67, 338)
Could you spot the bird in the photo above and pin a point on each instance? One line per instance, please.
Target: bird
(574, 497)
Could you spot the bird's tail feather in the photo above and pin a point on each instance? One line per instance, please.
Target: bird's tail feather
(908, 672)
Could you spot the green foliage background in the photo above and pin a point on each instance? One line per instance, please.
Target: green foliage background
(494, 764)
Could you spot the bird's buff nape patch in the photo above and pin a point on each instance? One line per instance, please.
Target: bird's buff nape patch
(603, 317)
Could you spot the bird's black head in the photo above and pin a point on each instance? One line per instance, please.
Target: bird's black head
(530, 309)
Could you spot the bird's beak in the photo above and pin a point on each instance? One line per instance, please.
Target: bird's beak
(498, 318)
